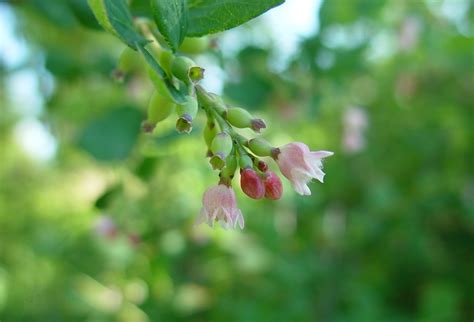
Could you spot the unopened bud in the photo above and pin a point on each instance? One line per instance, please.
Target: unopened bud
(262, 166)
(221, 147)
(159, 108)
(187, 112)
(273, 186)
(261, 147)
(185, 69)
(241, 118)
(251, 184)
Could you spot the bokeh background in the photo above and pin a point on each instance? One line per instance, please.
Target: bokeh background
(96, 218)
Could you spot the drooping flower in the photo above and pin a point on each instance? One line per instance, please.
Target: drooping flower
(219, 204)
(299, 165)
(251, 184)
(273, 186)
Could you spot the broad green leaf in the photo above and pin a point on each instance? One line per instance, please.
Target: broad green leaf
(171, 17)
(115, 17)
(211, 16)
(113, 136)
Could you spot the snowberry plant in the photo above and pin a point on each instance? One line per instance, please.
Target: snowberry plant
(176, 24)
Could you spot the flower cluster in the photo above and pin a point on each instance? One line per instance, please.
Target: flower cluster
(228, 150)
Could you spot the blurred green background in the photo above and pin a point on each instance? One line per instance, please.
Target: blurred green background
(96, 218)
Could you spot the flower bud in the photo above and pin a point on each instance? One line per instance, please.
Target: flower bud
(261, 147)
(159, 108)
(273, 186)
(185, 69)
(251, 184)
(262, 166)
(241, 118)
(187, 112)
(221, 147)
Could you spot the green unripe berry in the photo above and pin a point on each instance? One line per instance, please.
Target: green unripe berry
(195, 45)
(240, 118)
(221, 147)
(210, 131)
(185, 69)
(230, 166)
(159, 108)
(187, 112)
(261, 147)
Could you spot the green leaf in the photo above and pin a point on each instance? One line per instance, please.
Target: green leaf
(177, 95)
(171, 17)
(113, 136)
(83, 13)
(115, 17)
(211, 16)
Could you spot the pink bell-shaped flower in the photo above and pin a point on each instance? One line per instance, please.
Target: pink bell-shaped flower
(219, 204)
(299, 165)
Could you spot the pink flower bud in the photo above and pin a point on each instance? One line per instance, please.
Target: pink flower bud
(262, 166)
(299, 165)
(219, 204)
(251, 184)
(273, 186)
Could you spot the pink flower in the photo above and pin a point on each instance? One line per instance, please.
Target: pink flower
(219, 204)
(299, 165)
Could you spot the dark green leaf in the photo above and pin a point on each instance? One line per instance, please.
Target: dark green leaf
(171, 17)
(115, 17)
(83, 13)
(112, 136)
(211, 16)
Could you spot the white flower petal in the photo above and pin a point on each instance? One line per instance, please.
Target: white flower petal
(202, 217)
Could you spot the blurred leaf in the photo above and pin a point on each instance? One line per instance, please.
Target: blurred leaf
(113, 136)
(108, 196)
(83, 13)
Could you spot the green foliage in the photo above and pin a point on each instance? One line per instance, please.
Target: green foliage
(387, 237)
(211, 16)
(112, 136)
(171, 17)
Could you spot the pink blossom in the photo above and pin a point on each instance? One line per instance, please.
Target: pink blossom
(219, 204)
(299, 165)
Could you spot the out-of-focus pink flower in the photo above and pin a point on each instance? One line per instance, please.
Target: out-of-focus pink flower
(355, 122)
(105, 226)
(219, 204)
(299, 165)
(409, 34)
(251, 184)
(273, 186)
